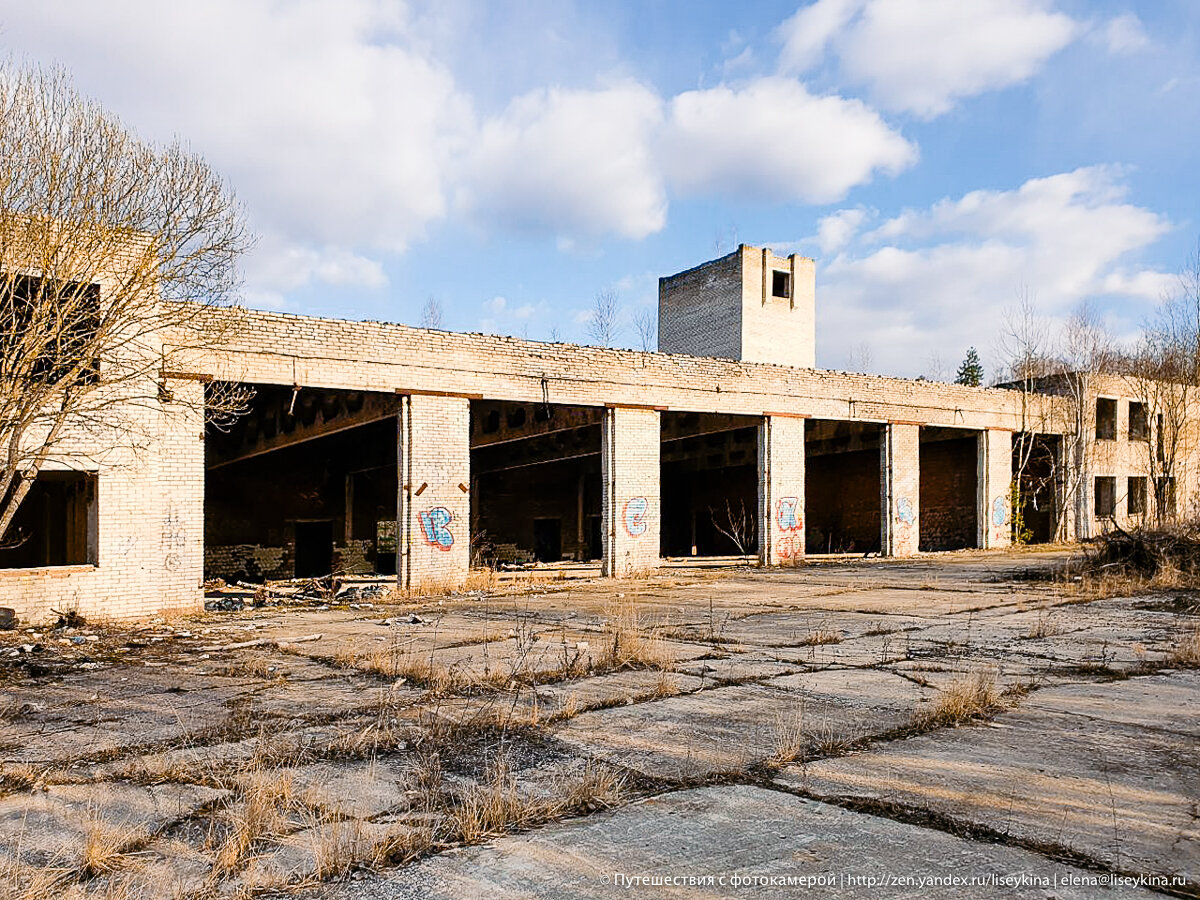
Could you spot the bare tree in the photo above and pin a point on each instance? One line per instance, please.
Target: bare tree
(603, 322)
(431, 313)
(113, 255)
(646, 322)
(935, 368)
(860, 357)
(1164, 373)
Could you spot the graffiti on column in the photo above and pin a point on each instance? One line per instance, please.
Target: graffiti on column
(906, 516)
(174, 538)
(999, 520)
(789, 514)
(635, 516)
(791, 543)
(435, 523)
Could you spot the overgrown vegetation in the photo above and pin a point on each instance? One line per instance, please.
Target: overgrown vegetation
(1124, 562)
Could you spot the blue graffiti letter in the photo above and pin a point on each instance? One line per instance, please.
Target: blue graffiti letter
(788, 507)
(635, 516)
(434, 523)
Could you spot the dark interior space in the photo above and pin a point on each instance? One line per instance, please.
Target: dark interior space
(535, 482)
(302, 486)
(314, 548)
(55, 524)
(709, 484)
(949, 517)
(1035, 462)
(842, 486)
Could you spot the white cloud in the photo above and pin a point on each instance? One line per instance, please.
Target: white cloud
(772, 139)
(940, 278)
(835, 230)
(572, 162)
(1124, 34)
(808, 32)
(333, 129)
(920, 56)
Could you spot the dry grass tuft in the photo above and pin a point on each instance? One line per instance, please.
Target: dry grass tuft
(262, 808)
(491, 807)
(819, 637)
(791, 739)
(972, 696)
(597, 786)
(632, 644)
(1186, 652)
(22, 882)
(340, 846)
(1043, 627)
(21, 777)
(105, 845)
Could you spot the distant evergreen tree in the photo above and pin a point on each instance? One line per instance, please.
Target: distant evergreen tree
(970, 372)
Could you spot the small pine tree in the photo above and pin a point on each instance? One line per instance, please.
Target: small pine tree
(970, 372)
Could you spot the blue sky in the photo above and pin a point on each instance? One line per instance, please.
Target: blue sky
(939, 158)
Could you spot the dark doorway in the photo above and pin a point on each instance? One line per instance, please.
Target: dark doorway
(595, 537)
(314, 548)
(547, 540)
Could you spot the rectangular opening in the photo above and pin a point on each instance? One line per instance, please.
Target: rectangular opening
(1139, 422)
(709, 484)
(52, 324)
(56, 524)
(1106, 419)
(1106, 496)
(315, 455)
(781, 284)
(1135, 500)
(842, 485)
(536, 486)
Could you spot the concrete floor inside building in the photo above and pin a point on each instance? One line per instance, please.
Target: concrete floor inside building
(886, 724)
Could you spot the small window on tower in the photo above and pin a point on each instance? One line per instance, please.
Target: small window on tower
(781, 284)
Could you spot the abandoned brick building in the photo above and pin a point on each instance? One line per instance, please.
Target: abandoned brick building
(420, 453)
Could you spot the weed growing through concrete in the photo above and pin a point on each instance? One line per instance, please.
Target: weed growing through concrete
(105, 845)
(630, 643)
(1044, 626)
(1186, 652)
(972, 696)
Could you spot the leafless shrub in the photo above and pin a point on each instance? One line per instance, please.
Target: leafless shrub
(735, 524)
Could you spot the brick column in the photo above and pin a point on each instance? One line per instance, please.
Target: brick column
(995, 488)
(181, 487)
(631, 441)
(780, 490)
(900, 462)
(433, 545)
